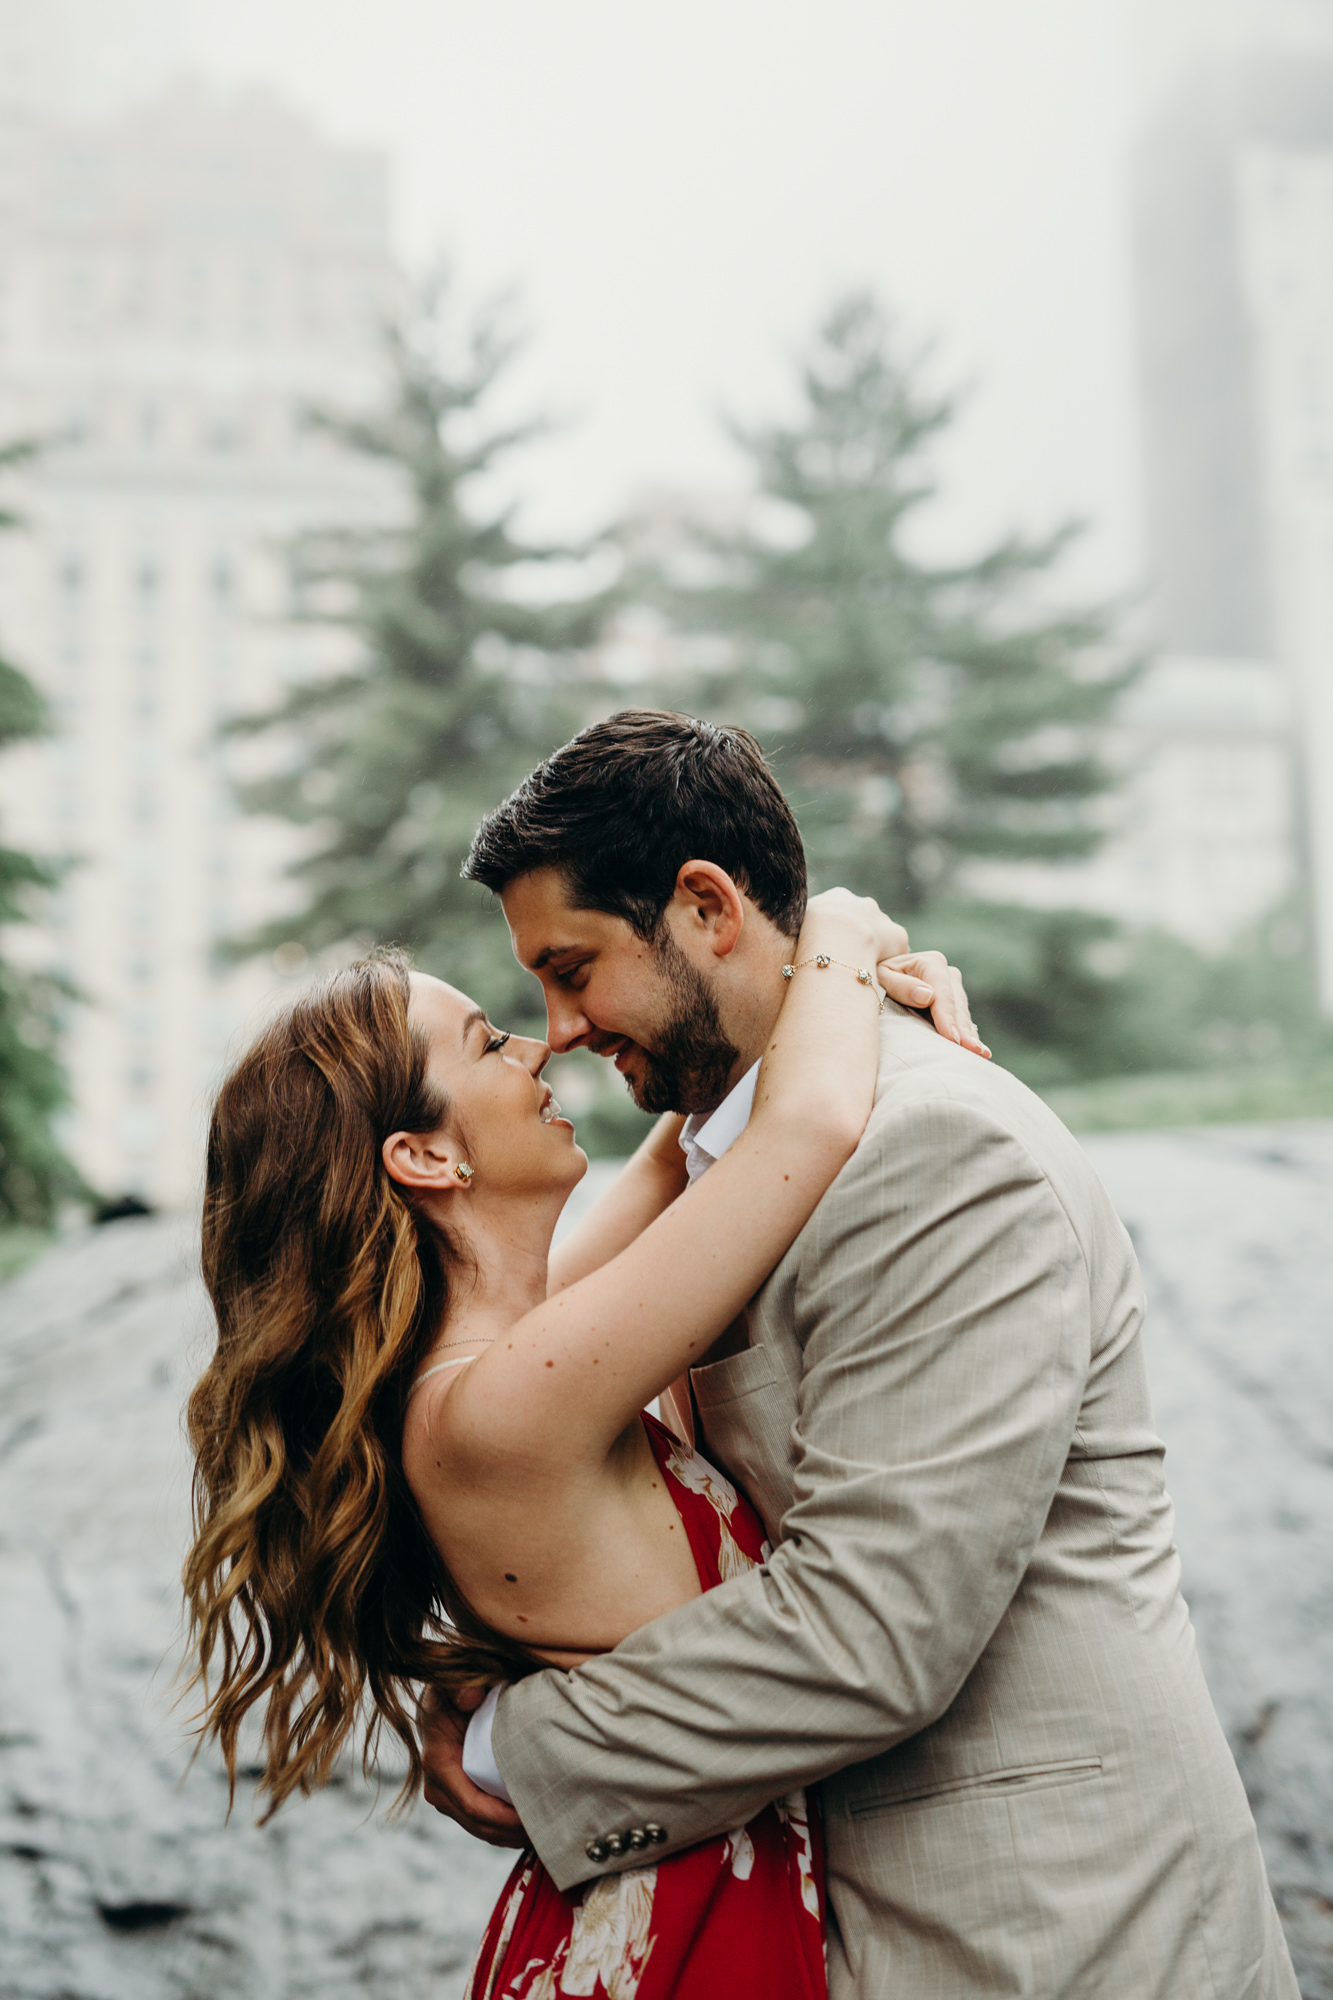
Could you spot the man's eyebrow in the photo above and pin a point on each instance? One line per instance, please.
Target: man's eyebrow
(477, 1015)
(550, 951)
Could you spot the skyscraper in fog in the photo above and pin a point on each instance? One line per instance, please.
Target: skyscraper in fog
(177, 286)
(1286, 239)
(1234, 251)
(1201, 445)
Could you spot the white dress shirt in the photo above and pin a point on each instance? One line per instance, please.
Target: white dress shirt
(704, 1138)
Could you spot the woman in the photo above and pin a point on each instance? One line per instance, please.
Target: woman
(416, 1409)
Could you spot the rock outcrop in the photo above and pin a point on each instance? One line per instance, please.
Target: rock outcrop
(1234, 1230)
(121, 1880)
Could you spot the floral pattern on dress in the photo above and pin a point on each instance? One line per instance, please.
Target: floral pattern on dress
(696, 1475)
(739, 1850)
(610, 1943)
(793, 1813)
(507, 1913)
(739, 1917)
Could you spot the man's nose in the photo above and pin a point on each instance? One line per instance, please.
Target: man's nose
(566, 1026)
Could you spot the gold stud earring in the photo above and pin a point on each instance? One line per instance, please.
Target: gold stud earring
(463, 1172)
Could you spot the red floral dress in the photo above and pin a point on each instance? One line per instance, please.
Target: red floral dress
(740, 1917)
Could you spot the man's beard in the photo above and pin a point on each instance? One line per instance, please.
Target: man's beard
(689, 1069)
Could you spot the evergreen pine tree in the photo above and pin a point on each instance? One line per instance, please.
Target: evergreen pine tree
(922, 716)
(34, 1172)
(465, 679)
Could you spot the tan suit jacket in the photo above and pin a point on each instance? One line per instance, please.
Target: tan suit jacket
(971, 1628)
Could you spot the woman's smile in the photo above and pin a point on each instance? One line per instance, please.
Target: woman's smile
(551, 1114)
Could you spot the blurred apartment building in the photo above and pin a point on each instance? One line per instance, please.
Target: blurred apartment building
(1234, 245)
(178, 284)
(1199, 832)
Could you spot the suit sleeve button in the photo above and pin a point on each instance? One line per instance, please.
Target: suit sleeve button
(615, 1843)
(637, 1838)
(597, 1850)
(657, 1834)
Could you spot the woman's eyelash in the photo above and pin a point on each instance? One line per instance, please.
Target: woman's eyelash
(496, 1042)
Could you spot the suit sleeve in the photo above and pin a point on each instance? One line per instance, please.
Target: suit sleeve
(943, 1305)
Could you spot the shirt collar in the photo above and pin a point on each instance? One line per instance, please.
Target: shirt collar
(705, 1137)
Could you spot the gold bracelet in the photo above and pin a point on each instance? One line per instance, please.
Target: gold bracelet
(821, 959)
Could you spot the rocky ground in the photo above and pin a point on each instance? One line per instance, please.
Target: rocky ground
(118, 1877)
(1234, 1230)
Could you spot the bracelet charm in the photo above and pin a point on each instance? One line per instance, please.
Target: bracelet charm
(821, 959)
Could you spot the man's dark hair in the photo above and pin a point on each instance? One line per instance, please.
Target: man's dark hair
(628, 801)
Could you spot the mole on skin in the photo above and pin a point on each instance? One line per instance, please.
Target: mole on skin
(510, 1577)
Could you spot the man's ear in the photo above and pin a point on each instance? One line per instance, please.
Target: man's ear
(421, 1160)
(713, 905)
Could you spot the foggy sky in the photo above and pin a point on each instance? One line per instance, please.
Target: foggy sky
(679, 191)
(676, 193)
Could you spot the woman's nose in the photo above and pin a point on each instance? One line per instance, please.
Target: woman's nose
(538, 1055)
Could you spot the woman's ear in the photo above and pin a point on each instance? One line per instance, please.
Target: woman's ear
(420, 1160)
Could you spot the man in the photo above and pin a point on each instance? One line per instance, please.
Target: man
(971, 1628)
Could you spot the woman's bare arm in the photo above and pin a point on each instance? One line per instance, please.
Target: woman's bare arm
(647, 1184)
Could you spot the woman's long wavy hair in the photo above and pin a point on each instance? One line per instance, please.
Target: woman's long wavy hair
(312, 1585)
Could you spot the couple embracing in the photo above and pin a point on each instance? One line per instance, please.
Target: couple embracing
(864, 1672)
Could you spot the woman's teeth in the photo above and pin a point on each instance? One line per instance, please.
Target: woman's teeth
(549, 1111)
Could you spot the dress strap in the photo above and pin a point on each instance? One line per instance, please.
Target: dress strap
(458, 1361)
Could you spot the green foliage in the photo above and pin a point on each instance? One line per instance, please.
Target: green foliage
(921, 716)
(925, 715)
(1063, 995)
(1238, 1036)
(466, 676)
(34, 1172)
(1246, 1096)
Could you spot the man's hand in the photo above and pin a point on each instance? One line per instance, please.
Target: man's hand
(447, 1787)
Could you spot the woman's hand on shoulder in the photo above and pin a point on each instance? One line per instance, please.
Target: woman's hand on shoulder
(926, 981)
(922, 980)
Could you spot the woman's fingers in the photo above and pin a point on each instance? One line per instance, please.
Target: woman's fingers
(920, 979)
(963, 1016)
(925, 979)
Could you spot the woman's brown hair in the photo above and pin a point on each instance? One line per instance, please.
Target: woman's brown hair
(312, 1581)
